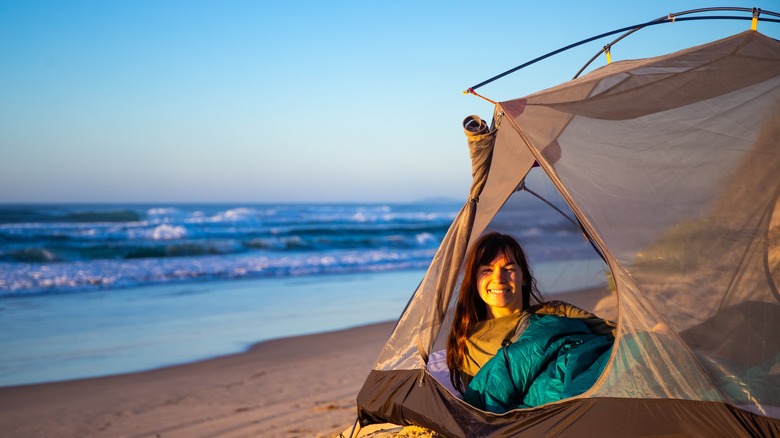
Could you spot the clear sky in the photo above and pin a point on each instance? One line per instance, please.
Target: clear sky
(283, 101)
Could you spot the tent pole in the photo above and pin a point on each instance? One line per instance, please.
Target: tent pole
(578, 224)
(670, 18)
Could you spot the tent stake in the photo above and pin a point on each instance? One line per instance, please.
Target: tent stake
(352, 432)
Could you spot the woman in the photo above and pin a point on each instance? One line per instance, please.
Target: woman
(498, 294)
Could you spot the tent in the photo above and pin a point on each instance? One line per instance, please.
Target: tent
(672, 167)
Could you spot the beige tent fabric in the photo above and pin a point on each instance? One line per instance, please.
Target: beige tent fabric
(673, 165)
(423, 317)
(496, 174)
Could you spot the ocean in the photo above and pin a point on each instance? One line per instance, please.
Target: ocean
(72, 248)
(92, 290)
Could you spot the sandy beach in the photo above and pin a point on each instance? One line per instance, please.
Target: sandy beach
(296, 387)
(301, 386)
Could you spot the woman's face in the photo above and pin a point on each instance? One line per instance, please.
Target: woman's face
(500, 285)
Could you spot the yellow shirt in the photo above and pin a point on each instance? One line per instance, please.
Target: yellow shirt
(484, 340)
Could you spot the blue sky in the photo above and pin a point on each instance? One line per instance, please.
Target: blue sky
(296, 101)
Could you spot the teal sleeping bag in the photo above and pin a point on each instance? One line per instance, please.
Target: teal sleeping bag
(554, 358)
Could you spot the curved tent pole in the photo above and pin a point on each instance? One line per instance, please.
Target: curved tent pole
(631, 29)
(524, 188)
(671, 18)
(577, 223)
(768, 213)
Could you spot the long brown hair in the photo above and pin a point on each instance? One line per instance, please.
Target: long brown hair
(470, 309)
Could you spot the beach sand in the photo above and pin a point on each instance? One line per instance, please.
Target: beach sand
(302, 386)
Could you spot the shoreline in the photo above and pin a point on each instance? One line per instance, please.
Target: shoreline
(100, 334)
(72, 336)
(300, 386)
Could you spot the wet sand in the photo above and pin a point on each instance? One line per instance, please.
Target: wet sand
(302, 386)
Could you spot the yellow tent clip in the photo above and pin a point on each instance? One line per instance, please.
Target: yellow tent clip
(608, 52)
(754, 21)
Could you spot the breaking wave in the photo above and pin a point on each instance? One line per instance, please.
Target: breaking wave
(47, 249)
(56, 249)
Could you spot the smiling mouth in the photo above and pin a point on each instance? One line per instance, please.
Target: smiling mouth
(498, 291)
